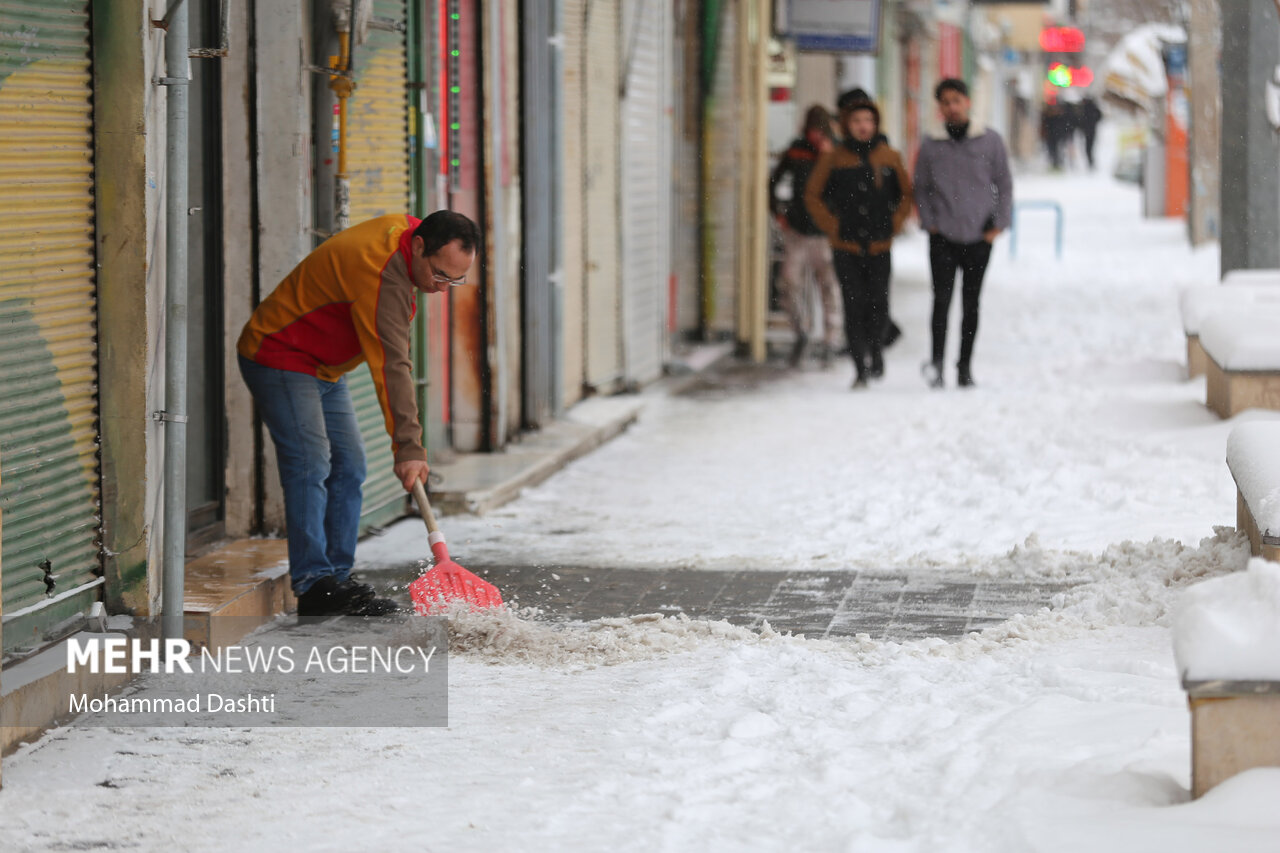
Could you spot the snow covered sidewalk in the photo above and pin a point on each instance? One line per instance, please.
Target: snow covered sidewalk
(1082, 456)
(1082, 432)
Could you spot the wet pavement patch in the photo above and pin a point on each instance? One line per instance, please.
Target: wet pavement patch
(887, 605)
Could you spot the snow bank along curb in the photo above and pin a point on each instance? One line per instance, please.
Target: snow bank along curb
(1242, 349)
(1226, 638)
(1236, 291)
(1253, 456)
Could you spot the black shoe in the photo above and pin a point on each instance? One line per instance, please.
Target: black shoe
(357, 591)
(327, 598)
(797, 349)
(891, 334)
(963, 377)
(375, 607)
(932, 372)
(859, 383)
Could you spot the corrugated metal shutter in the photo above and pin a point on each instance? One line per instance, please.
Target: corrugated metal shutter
(724, 140)
(603, 308)
(378, 163)
(48, 348)
(646, 187)
(572, 188)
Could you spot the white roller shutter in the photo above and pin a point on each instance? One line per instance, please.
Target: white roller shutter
(646, 187)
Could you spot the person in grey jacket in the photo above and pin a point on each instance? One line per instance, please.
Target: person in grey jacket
(964, 198)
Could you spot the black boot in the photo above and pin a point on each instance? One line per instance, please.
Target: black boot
(891, 333)
(327, 598)
(964, 378)
(932, 371)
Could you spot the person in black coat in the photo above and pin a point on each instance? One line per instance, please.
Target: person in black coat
(1090, 115)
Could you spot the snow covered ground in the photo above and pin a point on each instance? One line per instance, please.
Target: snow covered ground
(1083, 454)
(1082, 431)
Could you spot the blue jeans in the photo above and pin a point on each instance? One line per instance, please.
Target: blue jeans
(320, 456)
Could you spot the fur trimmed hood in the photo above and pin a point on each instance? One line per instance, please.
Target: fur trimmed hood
(936, 129)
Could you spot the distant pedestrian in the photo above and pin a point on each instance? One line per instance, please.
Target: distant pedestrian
(1054, 124)
(1090, 116)
(805, 247)
(891, 329)
(860, 195)
(964, 197)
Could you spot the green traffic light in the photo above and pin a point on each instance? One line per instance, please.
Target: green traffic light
(1060, 76)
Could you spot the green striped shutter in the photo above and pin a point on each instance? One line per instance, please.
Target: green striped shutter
(48, 351)
(378, 164)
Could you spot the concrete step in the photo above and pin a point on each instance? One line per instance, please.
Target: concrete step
(235, 589)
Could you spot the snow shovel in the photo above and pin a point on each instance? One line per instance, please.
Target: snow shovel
(446, 581)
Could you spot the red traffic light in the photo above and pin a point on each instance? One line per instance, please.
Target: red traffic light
(1061, 40)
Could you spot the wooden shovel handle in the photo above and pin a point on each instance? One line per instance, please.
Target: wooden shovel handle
(424, 507)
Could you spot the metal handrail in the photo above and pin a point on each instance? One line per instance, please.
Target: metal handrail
(1037, 204)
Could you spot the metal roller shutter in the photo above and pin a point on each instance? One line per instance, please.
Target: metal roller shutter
(646, 187)
(378, 163)
(49, 486)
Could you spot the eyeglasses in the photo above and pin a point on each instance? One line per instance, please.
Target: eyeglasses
(436, 275)
(452, 282)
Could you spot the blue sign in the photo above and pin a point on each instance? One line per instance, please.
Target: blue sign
(838, 44)
(834, 26)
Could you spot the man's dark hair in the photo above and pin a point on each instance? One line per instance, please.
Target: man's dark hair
(443, 227)
(950, 84)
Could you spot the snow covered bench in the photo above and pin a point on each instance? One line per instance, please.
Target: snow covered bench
(1242, 359)
(1253, 455)
(1226, 639)
(1240, 289)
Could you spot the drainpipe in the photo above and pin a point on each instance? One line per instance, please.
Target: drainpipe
(344, 86)
(174, 415)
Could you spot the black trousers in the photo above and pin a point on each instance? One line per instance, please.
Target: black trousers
(1089, 137)
(864, 286)
(945, 257)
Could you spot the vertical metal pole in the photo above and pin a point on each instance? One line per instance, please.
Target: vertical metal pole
(417, 53)
(324, 133)
(495, 255)
(178, 70)
(557, 207)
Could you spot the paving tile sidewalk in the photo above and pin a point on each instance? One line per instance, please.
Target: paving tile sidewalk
(888, 605)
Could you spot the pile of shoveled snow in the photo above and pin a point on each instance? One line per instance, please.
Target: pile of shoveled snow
(1131, 584)
(520, 635)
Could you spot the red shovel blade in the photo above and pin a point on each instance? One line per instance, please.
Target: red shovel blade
(447, 582)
